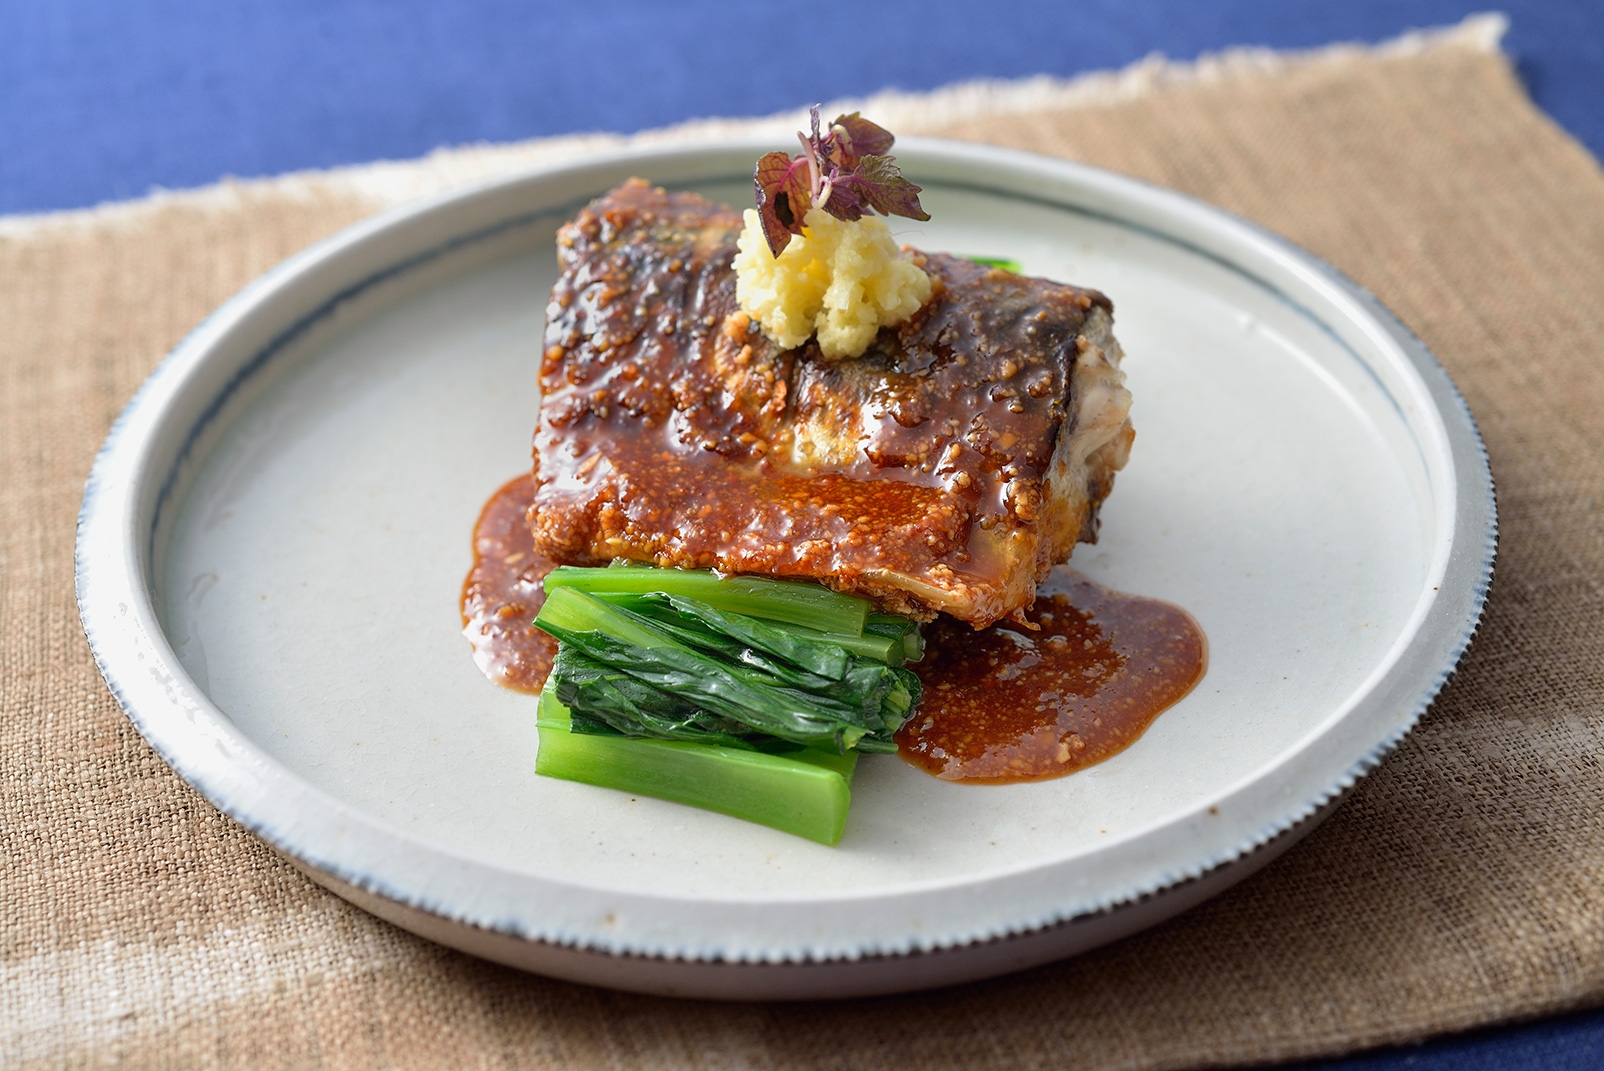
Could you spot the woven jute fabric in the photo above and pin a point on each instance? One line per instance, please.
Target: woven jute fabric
(1461, 884)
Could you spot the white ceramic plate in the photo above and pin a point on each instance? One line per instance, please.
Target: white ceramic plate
(274, 537)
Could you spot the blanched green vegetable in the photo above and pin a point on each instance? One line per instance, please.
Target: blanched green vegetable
(897, 627)
(997, 262)
(791, 601)
(744, 695)
(805, 792)
(603, 643)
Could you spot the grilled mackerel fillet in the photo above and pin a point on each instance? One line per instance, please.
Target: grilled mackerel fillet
(947, 469)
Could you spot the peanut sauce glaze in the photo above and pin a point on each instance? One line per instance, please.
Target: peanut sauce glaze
(503, 593)
(1008, 704)
(673, 431)
(1000, 705)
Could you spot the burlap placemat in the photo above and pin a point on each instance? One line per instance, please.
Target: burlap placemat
(1460, 885)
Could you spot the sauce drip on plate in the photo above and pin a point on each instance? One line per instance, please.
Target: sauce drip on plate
(1009, 704)
(502, 594)
(1000, 705)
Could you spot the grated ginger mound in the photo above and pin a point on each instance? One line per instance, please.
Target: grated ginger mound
(842, 281)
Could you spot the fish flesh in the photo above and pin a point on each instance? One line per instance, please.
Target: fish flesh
(947, 470)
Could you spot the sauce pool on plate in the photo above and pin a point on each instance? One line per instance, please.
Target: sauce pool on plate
(1004, 704)
(503, 593)
(1011, 704)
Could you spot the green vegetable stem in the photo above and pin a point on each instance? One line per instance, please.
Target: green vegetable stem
(744, 695)
(789, 601)
(997, 262)
(805, 792)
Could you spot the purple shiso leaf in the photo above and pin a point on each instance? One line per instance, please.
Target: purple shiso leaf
(878, 184)
(783, 197)
(845, 171)
(840, 198)
(860, 138)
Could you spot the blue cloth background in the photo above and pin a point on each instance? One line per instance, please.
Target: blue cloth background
(103, 100)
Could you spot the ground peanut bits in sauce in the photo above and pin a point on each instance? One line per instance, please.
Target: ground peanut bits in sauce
(503, 593)
(1003, 704)
(933, 473)
(1007, 704)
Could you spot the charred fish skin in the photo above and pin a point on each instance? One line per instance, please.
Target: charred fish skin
(947, 469)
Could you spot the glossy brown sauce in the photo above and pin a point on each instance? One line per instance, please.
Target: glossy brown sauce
(672, 430)
(503, 593)
(1007, 704)
(1000, 705)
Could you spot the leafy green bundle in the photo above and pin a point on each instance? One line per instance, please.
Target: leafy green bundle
(743, 661)
(743, 695)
